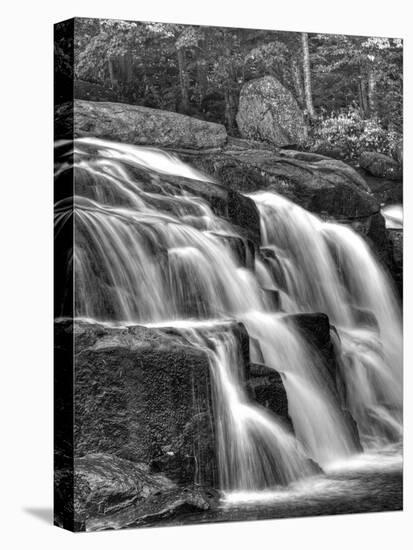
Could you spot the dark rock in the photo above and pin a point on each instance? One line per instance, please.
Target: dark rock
(314, 327)
(267, 111)
(373, 230)
(243, 250)
(272, 262)
(144, 395)
(365, 317)
(380, 165)
(319, 184)
(266, 387)
(243, 340)
(114, 493)
(142, 125)
(272, 297)
(395, 240)
(243, 212)
(385, 190)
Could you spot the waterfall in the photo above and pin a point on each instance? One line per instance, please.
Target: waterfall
(318, 421)
(328, 267)
(149, 249)
(254, 449)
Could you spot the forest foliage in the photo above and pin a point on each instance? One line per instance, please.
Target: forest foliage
(349, 87)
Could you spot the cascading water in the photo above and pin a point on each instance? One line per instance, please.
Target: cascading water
(254, 449)
(151, 251)
(328, 267)
(318, 421)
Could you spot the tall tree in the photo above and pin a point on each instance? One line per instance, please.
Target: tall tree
(307, 75)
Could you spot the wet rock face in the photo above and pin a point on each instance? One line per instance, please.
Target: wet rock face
(319, 184)
(106, 484)
(140, 125)
(266, 387)
(380, 165)
(395, 240)
(143, 395)
(316, 330)
(114, 493)
(269, 112)
(243, 212)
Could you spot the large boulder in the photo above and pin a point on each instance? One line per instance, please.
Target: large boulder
(320, 184)
(380, 165)
(144, 395)
(137, 125)
(269, 112)
(113, 493)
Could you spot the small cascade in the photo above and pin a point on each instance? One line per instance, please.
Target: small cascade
(328, 267)
(372, 358)
(306, 266)
(318, 420)
(150, 249)
(255, 451)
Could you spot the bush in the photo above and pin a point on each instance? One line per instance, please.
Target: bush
(351, 134)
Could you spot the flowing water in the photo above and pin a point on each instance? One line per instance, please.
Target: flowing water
(393, 215)
(150, 250)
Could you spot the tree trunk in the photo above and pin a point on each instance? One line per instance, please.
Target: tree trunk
(231, 94)
(183, 79)
(371, 90)
(298, 84)
(202, 80)
(111, 73)
(363, 95)
(307, 75)
(230, 111)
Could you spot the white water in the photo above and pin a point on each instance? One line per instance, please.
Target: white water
(330, 268)
(316, 415)
(393, 215)
(254, 449)
(148, 250)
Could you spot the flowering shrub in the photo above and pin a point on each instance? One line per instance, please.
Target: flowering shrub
(351, 134)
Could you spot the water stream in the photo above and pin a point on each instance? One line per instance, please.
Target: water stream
(150, 250)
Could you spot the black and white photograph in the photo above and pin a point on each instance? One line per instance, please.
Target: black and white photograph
(228, 274)
(205, 283)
